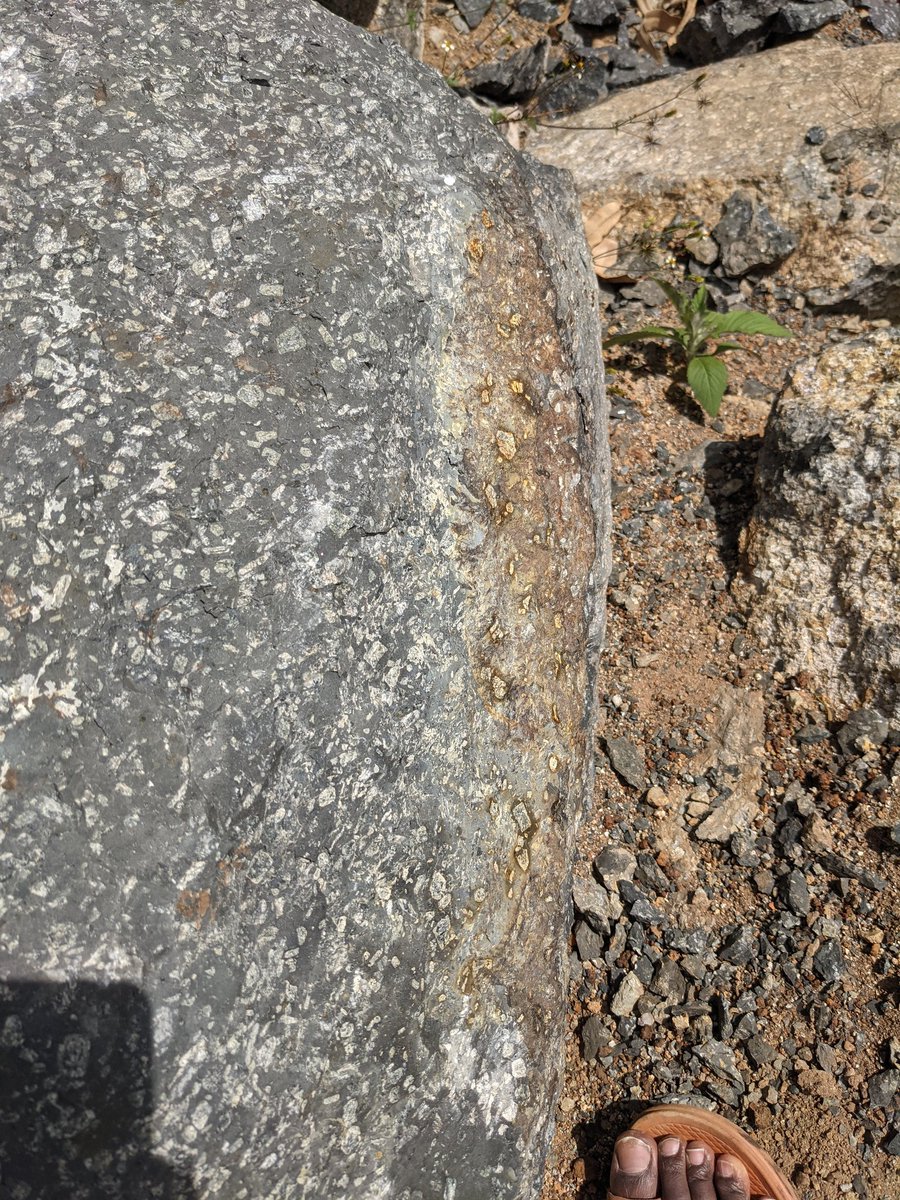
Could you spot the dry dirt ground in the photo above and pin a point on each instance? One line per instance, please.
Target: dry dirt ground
(682, 491)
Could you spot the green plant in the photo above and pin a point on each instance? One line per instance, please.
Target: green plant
(707, 375)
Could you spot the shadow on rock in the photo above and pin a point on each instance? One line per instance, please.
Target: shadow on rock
(77, 1095)
(357, 12)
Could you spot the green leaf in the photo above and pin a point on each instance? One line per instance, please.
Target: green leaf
(698, 301)
(708, 378)
(727, 346)
(639, 335)
(746, 322)
(682, 303)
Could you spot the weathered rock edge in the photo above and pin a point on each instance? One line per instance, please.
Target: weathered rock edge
(304, 506)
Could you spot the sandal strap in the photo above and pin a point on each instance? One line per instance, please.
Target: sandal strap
(613, 1196)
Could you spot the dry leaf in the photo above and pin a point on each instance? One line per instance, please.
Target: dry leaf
(669, 18)
(604, 255)
(600, 222)
(598, 225)
(660, 20)
(689, 9)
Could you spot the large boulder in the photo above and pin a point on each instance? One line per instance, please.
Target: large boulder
(303, 499)
(787, 158)
(821, 554)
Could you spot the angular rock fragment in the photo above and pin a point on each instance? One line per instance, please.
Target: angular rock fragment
(512, 78)
(725, 28)
(669, 982)
(748, 237)
(740, 947)
(720, 1058)
(604, 70)
(863, 729)
(736, 742)
(627, 761)
(796, 892)
(595, 12)
(613, 864)
(760, 1052)
(627, 995)
(590, 945)
(598, 906)
(884, 16)
(473, 12)
(593, 1038)
(884, 1088)
(829, 962)
(544, 11)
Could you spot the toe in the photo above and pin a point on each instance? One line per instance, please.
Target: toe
(700, 1161)
(731, 1179)
(673, 1184)
(633, 1170)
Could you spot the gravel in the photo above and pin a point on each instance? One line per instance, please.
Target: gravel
(756, 981)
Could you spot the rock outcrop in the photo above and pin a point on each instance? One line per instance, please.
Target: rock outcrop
(822, 550)
(797, 176)
(304, 516)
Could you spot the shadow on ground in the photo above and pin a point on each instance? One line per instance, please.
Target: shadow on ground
(595, 1140)
(729, 469)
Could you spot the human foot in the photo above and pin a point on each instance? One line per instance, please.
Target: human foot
(668, 1168)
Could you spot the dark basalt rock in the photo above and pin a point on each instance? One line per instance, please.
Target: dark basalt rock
(749, 237)
(514, 77)
(539, 10)
(303, 495)
(597, 73)
(727, 28)
(884, 16)
(473, 12)
(595, 12)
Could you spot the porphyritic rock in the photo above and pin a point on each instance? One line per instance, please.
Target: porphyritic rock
(303, 496)
(742, 125)
(821, 553)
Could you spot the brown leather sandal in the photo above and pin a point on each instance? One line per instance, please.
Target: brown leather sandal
(723, 1137)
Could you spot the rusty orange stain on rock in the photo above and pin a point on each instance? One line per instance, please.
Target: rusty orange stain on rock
(194, 906)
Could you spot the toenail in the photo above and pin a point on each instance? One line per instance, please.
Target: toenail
(724, 1168)
(632, 1155)
(669, 1147)
(696, 1157)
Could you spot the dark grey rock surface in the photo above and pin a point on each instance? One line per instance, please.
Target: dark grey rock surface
(473, 11)
(513, 77)
(594, 12)
(303, 504)
(604, 70)
(730, 27)
(627, 760)
(884, 16)
(749, 237)
(539, 10)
